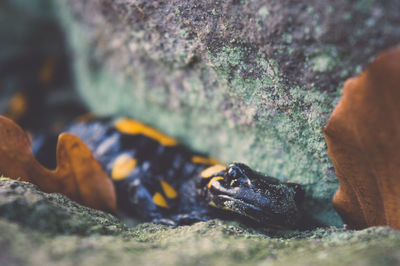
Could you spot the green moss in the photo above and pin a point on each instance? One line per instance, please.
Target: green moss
(322, 63)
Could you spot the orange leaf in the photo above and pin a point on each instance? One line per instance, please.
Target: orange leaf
(363, 138)
(78, 175)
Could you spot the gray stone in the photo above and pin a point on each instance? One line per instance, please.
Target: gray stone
(48, 229)
(24, 203)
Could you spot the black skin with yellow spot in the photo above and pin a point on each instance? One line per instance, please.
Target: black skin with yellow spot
(200, 191)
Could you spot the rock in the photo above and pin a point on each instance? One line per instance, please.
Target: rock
(25, 204)
(45, 229)
(250, 81)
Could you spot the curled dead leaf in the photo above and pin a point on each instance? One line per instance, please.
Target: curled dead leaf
(78, 175)
(363, 138)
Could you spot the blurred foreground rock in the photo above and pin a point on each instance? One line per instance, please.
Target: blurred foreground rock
(46, 229)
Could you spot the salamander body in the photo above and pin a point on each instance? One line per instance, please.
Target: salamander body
(158, 179)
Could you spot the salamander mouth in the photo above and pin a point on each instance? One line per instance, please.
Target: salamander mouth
(243, 201)
(238, 206)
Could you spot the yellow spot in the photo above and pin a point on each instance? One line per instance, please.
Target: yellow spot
(227, 209)
(208, 172)
(159, 200)
(46, 72)
(169, 191)
(18, 106)
(212, 203)
(123, 166)
(213, 180)
(132, 127)
(204, 160)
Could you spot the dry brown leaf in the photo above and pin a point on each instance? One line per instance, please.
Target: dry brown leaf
(363, 138)
(78, 175)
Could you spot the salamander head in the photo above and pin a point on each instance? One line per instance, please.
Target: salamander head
(239, 189)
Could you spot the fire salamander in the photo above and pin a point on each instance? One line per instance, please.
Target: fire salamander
(160, 180)
(156, 178)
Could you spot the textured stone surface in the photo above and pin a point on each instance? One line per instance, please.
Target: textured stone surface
(47, 229)
(250, 81)
(51, 213)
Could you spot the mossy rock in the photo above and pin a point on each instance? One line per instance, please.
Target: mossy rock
(250, 81)
(44, 229)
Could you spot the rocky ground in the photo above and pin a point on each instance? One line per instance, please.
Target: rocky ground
(48, 229)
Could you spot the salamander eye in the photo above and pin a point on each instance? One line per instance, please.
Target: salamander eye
(233, 176)
(236, 176)
(234, 172)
